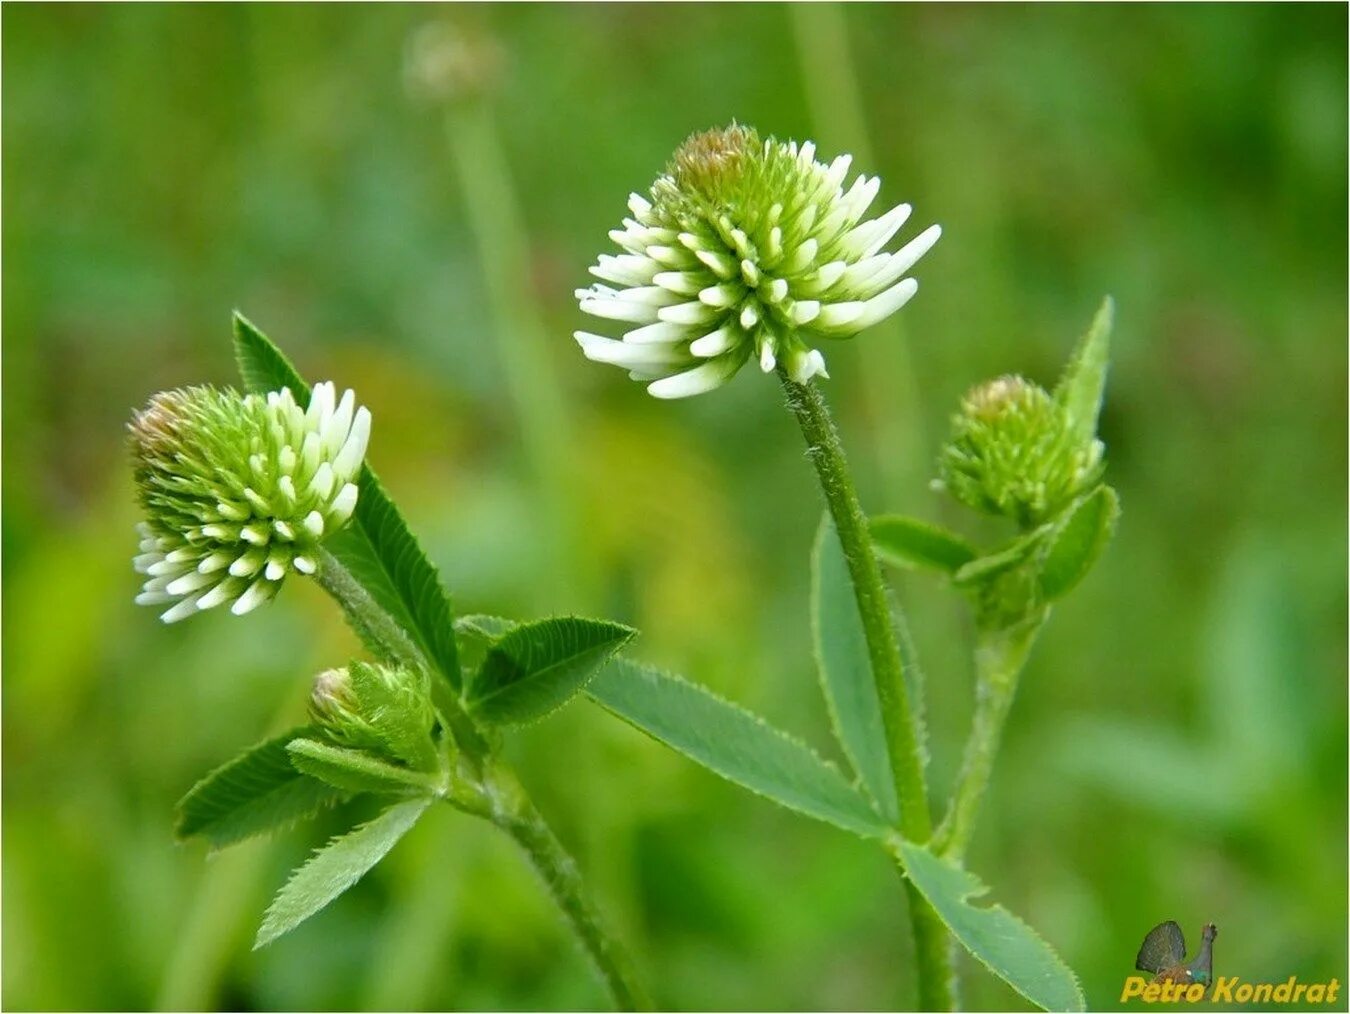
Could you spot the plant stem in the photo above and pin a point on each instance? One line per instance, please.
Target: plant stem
(513, 812)
(496, 794)
(1000, 655)
(933, 954)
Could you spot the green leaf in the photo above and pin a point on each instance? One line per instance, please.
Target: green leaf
(336, 867)
(1008, 947)
(1078, 544)
(537, 667)
(1081, 388)
(475, 635)
(984, 567)
(736, 744)
(354, 770)
(257, 792)
(845, 669)
(917, 545)
(377, 548)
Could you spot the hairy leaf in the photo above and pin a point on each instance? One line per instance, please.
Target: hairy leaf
(909, 542)
(845, 669)
(733, 742)
(1079, 543)
(1008, 947)
(377, 548)
(336, 867)
(1081, 388)
(537, 667)
(354, 770)
(257, 792)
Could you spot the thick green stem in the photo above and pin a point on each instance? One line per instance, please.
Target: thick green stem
(999, 658)
(513, 812)
(490, 790)
(936, 984)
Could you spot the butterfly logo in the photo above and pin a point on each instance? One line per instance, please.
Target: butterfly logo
(1164, 954)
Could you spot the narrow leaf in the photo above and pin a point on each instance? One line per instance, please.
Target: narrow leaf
(354, 770)
(845, 669)
(537, 667)
(257, 792)
(377, 548)
(917, 545)
(734, 743)
(1081, 388)
(1008, 947)
(336, 867)
(1079, 543)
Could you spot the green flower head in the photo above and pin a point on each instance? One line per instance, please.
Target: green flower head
(383, 710)
(238, 490)
(1014, 453)
(747, 248)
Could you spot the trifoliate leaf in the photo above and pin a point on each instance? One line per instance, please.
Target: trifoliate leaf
(537, 667)
(845, 669)
(918, 545)
(1081, 388)
(336, 867)
(734, 743)
(1004, 944)
(257, 792)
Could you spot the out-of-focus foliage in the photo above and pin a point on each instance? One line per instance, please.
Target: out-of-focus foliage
(1178, 749)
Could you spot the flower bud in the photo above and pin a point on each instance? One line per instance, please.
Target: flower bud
(747, 249)
(380, 709)
(239, 490)
(1014, 453)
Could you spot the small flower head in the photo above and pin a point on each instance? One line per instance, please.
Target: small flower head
(238, 490)
(383, 710)
(1014, 453)
(747, 249)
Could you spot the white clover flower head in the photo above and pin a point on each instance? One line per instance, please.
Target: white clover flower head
(748, 248)
(239, 490)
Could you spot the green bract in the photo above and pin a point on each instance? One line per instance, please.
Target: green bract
(747, 247)
(383, 710)
(238, 490)
(1014, 453)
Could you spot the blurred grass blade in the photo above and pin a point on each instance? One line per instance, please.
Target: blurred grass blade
(353, 770)
(336, 867)
(733, 742)
(377, 548)
(1079, 543)
(537, 667)
(1004, 944)
(257, 792)
(1080, 389)
(917, 545)
(845, 670)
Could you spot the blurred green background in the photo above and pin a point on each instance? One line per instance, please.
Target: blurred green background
(1178, 750)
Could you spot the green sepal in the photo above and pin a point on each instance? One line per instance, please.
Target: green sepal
(336, 867)
(258, 792)
(377, 548)
(1083, 385)
(355, 770)
(918, 545)
(535, 668)
(999, 940)
(734, 743)
(1078, 542)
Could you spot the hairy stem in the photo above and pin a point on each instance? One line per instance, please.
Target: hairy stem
(513, 812)
(999, 658)
(936, 984)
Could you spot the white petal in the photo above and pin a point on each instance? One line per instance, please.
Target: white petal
(836, 316)
(334, 432)
(721, 296)
(688, 313)
(181, 611)
(802, 258)
(711, 374)
(767, 360)
(713, 344)
(258, 592)
(718, 264)
(305, 564)
(684, 283)
(348, 461)
(868, 238)
(805, 310)
(749, 316)
(805, 364)
(618, 309)
(343, 504)
(908, 255)
(314, 524)
(649, 295)
(320, 405)
(220, 594)
(322, 483)
(660, 333)
(626, 269)
(880, 307)
(248, 563)
(630, 355)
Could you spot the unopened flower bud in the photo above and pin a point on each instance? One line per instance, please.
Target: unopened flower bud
(239, 490)
(746, 249)
(1013, 453)
(384, 710)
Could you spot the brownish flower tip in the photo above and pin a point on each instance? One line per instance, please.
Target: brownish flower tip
(706, 162)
